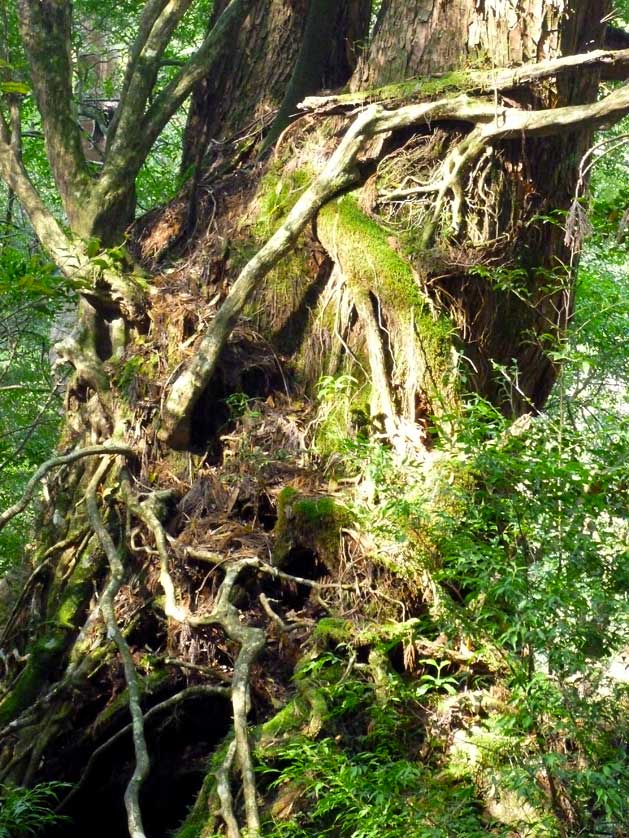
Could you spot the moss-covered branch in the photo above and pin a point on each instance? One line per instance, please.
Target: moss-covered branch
(477, 81)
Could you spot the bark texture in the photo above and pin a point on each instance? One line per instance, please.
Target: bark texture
(250, 84)
(436, 36)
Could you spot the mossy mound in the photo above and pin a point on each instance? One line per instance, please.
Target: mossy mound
(311, 523)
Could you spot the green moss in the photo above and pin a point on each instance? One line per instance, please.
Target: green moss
(44, 656)
(369, 260)
(279, 190)
(71, 598)
(313, 510)
(426, 88)
(288, 719)
(372, 262)
(313, 523)
(332, 629)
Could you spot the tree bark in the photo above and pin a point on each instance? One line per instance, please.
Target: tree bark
(250, 85)
(541, 177)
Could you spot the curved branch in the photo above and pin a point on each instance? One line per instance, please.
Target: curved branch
(251, 641)
(146, 511)
(224, 792)
(46, 227)
(57, 462)
(338, 174)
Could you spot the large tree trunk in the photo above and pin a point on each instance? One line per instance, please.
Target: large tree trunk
(249, 85)
(531, 178)
(460, 283)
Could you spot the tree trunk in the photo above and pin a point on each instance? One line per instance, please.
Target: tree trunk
(500, 330)
(250, 84)
(425, 265)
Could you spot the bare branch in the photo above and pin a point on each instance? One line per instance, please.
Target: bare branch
(251, 642)
(46, 227)
(57, 462)
(157, 24)
(146, 511)
(338, 174)
(224, 792)
(125, 158)
(253, 561)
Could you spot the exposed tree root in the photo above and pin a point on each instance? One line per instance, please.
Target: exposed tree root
(142, 762)
(158, 709)
(489, 121)
(57, 462)
(224, 792)
(146, 511)
(251, 642)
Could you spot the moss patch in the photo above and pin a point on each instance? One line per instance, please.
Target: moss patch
(426, 88)
(369, 260)
(332, 630)
(279, 190)
(44, 656)
(312, 523)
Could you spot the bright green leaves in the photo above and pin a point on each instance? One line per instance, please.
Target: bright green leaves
(14, 87)
(29, 811)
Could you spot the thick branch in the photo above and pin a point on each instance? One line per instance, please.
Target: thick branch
(46, 30)
(137, 132)
(46, 227)
(157, 24)
(481, 81)
(111, 286)
(57, 462)
(142, 763)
